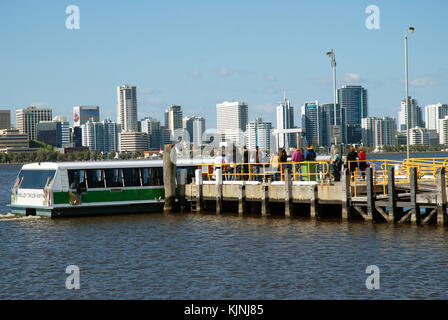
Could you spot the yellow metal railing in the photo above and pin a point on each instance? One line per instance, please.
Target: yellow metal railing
(426, 171)
(304, 171)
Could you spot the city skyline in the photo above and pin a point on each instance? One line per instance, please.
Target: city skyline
(256, 72)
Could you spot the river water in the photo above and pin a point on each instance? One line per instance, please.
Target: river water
(152, 256)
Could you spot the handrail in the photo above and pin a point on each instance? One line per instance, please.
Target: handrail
(304, 170)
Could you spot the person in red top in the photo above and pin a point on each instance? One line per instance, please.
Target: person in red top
(362, 164)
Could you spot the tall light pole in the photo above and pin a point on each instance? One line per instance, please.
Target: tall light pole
(331, 55)
(408, 114)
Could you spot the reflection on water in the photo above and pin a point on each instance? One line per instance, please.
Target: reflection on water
(156, 256)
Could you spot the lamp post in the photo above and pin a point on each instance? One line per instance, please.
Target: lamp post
(408, 114)
(331, 55)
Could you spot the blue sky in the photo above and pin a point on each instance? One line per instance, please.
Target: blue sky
(199, 53)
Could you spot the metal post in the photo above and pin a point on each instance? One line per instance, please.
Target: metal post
(408, 114)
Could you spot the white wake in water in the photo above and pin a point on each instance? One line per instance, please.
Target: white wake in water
(14, 217)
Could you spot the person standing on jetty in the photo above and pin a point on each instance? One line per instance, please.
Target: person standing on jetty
(362, 164)
(275, 166)
(245, 163)
(351, 163)
(337, 166)
(297, 157)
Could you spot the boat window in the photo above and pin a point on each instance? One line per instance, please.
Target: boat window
(95, 178)
(35, 179)
(114, 178)
(151, 176)
(131, 177)
(156, 175)
(144, 172)
(76, 179)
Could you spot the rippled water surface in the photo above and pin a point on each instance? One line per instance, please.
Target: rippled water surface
(152, 256)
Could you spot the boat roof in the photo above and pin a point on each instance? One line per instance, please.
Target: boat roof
(110, 164)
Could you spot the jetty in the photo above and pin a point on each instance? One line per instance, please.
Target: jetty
(410, 191)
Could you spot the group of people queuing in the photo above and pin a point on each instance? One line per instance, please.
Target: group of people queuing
(257, 165)
(353, 161)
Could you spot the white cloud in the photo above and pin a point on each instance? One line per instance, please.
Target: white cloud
(38, 104)
(422, 82)
(351, 77)
(270, 78)
(195, 74)
(224, 72)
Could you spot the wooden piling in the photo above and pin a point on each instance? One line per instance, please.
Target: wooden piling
(288, 193)
(392, 195)
(241, 199)
(314, 212)
(415, 209)
(264, 199)
(218, 178)
(198, 178)
(169, 178)
(346, 195)
(181, 181)
(441, 197)
(370, 195)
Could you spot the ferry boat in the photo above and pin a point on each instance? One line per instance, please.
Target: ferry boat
(88, 188)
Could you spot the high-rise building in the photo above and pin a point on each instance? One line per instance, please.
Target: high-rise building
(152, 128)
(50, 132)
(354, 103)
(132, 141)
(173, 118)
(76, 136)
(259, 133)
(285, 120)
(28, 118)
(326, 121)
(378, 132)
(65, 130)
(82, 114)
(354, 100)
(195, 126)
(165, 136)
(443, 130)
(311, 122)
(423, 136)
(5, 119)
(12, 140)
(434, 113)
(127, 108)
(232, 118)
(101, 136)
(415, 119)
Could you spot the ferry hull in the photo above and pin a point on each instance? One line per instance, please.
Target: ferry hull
(89, 211)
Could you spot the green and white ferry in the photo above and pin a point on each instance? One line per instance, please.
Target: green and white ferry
(89, 188)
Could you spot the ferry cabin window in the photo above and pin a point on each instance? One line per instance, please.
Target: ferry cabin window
(152, 176)
(131, 177)
(35, 179)
(76, 179)
(95, 178)
(114, 178)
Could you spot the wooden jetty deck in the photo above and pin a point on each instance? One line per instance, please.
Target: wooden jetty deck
(414, 203)
(405, 193)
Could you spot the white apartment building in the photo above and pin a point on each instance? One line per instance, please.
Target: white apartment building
(127, 108)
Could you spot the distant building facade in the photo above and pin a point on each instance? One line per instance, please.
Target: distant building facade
(232, 119)
(285, 120)
(127, 108)
(5, 119)
(28, 118)
(132, 141)
(11, 140)
(82, 114)
(101, 136)
(259, 133)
